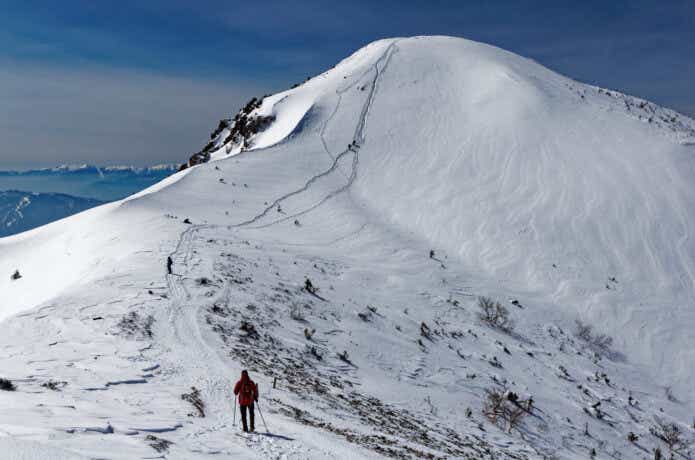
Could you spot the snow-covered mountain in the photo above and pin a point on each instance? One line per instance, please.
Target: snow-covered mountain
(103, 183)
(21, 211)
(335, 240)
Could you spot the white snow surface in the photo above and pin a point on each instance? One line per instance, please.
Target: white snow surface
(573, 200)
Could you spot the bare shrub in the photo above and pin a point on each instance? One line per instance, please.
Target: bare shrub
(672, 435)
(597, 342)
(345, 357)
(203, 281)
(249, 329)
(7, 385)
(194, 398)
(501, 406)
(425, 331)
(54, 385)
(494, 314)
(583, 331)
(137, 326)
(158, 444)
(365, 316)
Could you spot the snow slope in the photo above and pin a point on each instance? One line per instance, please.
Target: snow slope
(571, 200)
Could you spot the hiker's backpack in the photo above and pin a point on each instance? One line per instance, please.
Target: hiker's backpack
(247, 391)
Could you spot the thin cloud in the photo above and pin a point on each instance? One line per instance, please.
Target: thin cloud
(54, 115)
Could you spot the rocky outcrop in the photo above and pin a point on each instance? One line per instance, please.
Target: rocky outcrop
(237, 132)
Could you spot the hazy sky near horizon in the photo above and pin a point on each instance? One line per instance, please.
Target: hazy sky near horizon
(144, 82)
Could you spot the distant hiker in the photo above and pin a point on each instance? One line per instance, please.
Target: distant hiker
(248, 394)
(529, 404)
(309, 287)
(15, 276)
(170, 263)
(431, 253)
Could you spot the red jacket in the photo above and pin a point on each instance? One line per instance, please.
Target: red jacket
(247, 390)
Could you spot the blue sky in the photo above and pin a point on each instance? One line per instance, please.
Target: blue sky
(143, 82)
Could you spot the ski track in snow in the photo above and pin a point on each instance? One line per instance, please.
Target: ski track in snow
(358, 140)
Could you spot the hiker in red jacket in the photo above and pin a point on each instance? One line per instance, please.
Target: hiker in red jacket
(248, 394)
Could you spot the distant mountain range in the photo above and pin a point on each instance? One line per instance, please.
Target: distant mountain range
(21, 211)
(50, 194)
(86, 181)
(91, 169)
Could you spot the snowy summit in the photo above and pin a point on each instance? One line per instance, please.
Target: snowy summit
(435, 249)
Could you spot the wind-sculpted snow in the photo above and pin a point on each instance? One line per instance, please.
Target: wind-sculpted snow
(341, 259)
(542, 182)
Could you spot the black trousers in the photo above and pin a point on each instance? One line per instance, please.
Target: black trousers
(243, 417)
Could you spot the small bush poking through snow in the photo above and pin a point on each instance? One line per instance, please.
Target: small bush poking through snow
(54, 385)
(506, 407)
(596, 342)
(158, 444)
(194, 398)
(134, 325)
(249, 329)
(494, 314)
(345, 357)
(7, 385)
(672, 435)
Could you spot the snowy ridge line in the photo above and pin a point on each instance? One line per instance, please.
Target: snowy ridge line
(358, 139)
(228, 146)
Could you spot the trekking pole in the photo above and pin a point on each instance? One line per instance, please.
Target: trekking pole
(261, 414)
(235, 410)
